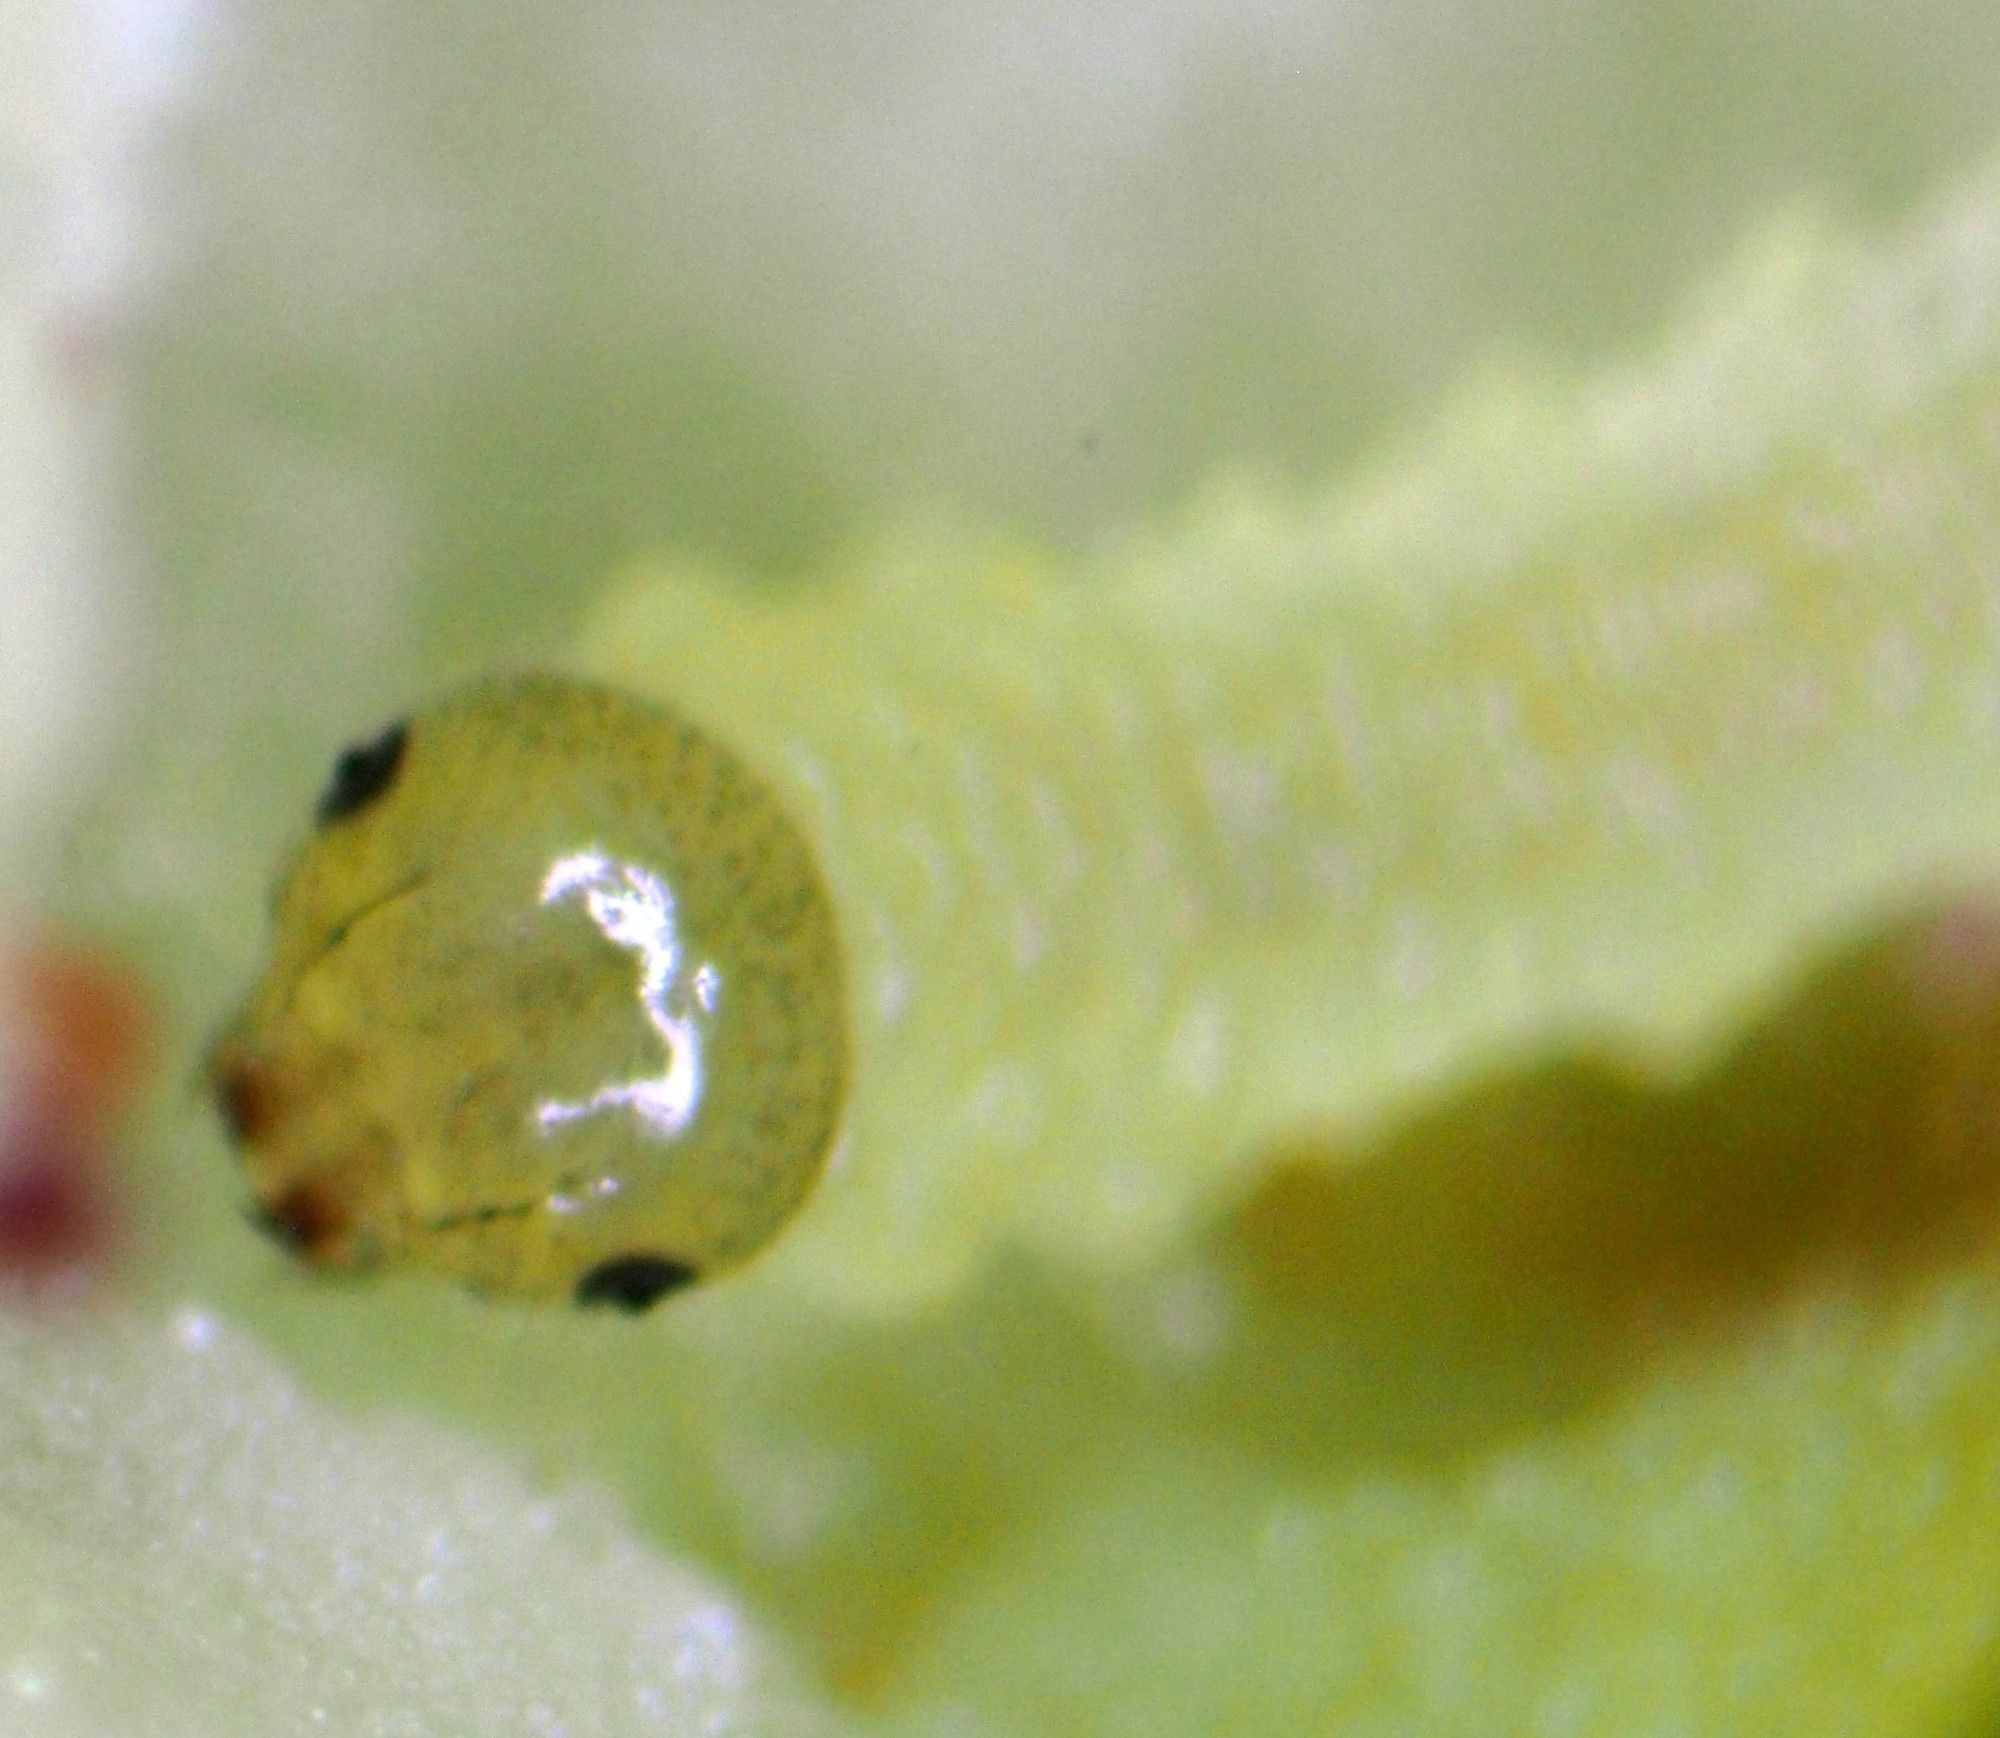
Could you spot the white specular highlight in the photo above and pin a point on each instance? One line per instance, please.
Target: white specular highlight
(635, 910)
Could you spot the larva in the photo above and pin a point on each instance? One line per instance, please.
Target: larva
(1092, 891)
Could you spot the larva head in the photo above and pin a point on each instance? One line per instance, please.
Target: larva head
(555, 1006)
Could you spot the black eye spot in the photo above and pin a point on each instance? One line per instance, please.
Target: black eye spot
(362, 774)
(633, 1282)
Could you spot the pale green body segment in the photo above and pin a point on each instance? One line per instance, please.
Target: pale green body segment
(1227, 844)
(556, 994)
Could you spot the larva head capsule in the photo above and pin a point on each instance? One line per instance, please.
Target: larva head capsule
(555, 1006)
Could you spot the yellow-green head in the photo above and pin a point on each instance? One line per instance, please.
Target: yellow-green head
(555, 1005)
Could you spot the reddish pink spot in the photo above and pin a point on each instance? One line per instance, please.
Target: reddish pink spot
(87, 1025)
(54, 1215)
(81, 1036)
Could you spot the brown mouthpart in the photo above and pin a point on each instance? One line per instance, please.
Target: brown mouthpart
(243, 1094)
(308, 1218)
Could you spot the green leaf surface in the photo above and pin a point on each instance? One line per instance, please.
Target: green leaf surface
(1796, 1538)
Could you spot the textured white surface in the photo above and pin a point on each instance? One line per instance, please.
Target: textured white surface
(190, 1545)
